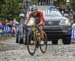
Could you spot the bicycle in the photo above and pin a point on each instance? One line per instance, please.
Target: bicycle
(33, 40)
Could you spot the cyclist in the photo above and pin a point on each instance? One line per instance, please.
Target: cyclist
(39, 19)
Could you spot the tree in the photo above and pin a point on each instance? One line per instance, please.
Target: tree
(9, 7)
(72, 4)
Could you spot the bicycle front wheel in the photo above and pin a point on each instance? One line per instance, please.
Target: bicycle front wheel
(43, 47)
(31, 43)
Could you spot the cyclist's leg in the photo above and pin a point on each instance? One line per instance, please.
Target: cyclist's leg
(42, 34)
(37, 21)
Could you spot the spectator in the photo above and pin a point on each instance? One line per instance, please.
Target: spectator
(71, 16)
(74, 16)
(3, 23)
(0, 23)
(15, 22)
(11, 23)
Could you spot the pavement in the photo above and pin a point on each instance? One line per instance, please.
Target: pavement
(11, 51)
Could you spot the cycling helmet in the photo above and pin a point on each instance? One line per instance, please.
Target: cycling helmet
(33, 8)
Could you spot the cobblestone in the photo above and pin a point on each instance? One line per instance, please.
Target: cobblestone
(17, 52)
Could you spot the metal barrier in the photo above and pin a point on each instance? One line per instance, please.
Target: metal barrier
(73, 34)
(5, 30)
(28, 3)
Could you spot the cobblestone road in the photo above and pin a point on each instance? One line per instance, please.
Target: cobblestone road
(10, 51)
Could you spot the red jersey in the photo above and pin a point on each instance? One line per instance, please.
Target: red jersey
(39, 15)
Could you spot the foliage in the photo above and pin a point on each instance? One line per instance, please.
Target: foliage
(33, 0)
(9, 8)
(72, 4)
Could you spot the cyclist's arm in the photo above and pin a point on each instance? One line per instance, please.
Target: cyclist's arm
(42, 21)
(28, 18)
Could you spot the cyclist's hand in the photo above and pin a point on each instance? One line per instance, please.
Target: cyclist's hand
(25, 26)
(39, 24)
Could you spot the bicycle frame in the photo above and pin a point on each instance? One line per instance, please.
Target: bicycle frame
(36, 34)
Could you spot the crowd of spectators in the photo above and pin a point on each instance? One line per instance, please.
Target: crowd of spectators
(3, 22)
(69, 13)
(12, 24)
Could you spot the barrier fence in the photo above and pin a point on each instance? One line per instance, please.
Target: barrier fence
(73, 35)
(5, 30)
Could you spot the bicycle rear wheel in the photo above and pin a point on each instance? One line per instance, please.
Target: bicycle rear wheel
(31, 43)
(43, 47)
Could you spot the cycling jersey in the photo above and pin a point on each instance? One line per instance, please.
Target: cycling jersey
(39, 17)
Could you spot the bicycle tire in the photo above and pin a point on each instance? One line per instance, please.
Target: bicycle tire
(30, 34)
(45, 44)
